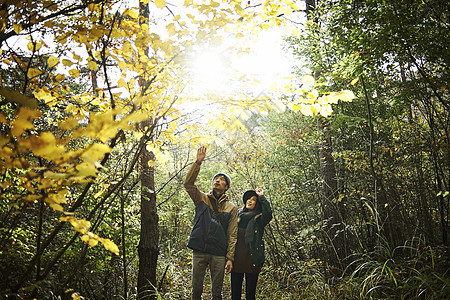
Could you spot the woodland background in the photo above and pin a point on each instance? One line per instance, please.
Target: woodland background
(360, 195)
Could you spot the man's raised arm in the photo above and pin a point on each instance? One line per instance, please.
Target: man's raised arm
(189, 182)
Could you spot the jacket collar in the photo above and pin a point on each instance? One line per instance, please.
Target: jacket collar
(219, 198)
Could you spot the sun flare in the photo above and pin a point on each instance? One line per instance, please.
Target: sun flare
(224, 72)
(209, 72)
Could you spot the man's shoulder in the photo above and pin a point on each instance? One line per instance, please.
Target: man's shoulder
(230, 206)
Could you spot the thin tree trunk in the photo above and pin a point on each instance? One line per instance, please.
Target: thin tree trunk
(332, 208)
(425, 223)
(381, 203)
(148, 249)
(124, 256)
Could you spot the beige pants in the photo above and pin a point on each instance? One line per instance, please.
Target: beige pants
(200, 262)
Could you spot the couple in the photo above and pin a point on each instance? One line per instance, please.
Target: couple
(223, 238)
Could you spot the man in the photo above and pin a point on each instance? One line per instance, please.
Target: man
(214, 234)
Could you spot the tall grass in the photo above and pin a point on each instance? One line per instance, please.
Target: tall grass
(410, 271)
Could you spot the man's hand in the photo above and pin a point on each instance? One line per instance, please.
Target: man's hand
(201, 153)
(228, 267)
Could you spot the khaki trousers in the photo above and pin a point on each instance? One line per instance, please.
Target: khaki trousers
(200, 262)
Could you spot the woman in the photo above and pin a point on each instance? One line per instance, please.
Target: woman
(249, 254)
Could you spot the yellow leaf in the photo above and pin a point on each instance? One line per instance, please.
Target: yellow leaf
(56, 207)
(49, 23)
(313, 94)
(126, 48)
(74, 73)
(52, 61)
(44, 144)
(132, 13)
(95, 34)
(85, 238)
(20, 125)
(296, 107)
(68, 123)
(55, 176)
(144, 27)
(59, 77)
(354, 81)
(77, 224)
(160, 3)
(17, 97)
(89, 239)
(33, 72)
(332, 98)
(326, 110)
(17, 28)
(86, 169)
(171, 28)
(97, 55)
(3, 119)
(265, 26)
(293, 5)
(44, 94)
(95, 152)
(285, 10)
(346, 95)
(138, 134)
(308, 80)
(92, 65)
(92, 242)
(31, 198)
(306, 110)
(239, 10)
(67, 62)
(163, 158)
(109, 245)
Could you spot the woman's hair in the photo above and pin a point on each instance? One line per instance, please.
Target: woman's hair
(257, 209)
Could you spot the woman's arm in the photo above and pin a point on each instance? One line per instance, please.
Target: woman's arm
(266, 209)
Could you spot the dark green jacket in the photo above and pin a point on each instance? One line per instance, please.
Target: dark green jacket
(255, 231)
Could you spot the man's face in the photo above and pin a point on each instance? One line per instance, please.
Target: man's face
(251, 203)
(219, 184)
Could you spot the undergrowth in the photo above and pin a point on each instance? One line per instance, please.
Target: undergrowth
(411, 271)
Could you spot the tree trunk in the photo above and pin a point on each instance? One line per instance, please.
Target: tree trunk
(332, 208)
(148, 249)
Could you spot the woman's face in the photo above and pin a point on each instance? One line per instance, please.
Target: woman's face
(251, 203)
